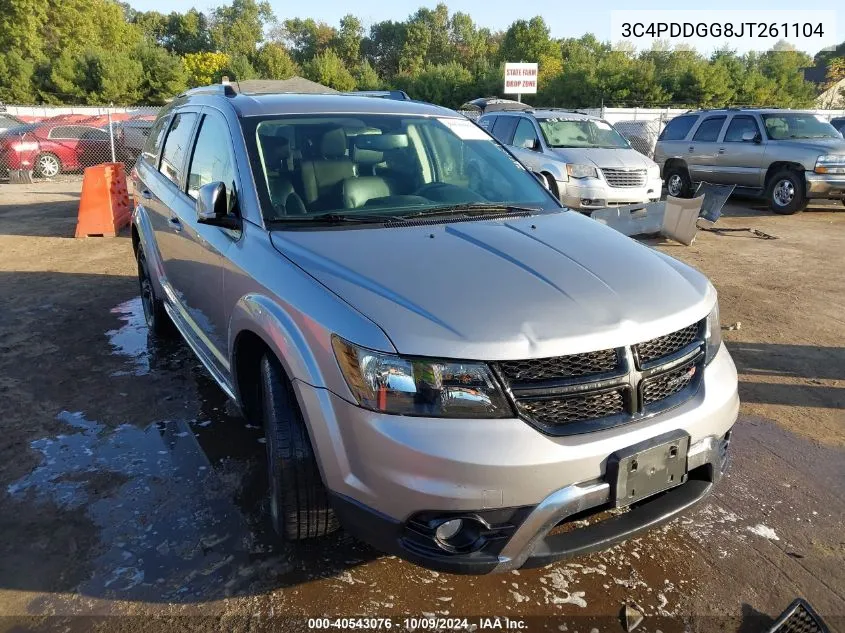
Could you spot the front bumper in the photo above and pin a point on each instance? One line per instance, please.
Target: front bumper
(386, 470)
(825, 185)
(594, 193)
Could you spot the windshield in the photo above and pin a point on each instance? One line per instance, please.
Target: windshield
(561, 132)
(797, 125)
(366, 166)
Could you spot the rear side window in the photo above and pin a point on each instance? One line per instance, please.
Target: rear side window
(65, 132)
(177, 145)
(709, 129)
(504, 127)
(155, 140)
(678, 128)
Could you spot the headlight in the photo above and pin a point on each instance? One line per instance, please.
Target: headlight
(712, 335)
(420, 386)
(25, 146)
(830, 164)
(582, 171)
(654, 171)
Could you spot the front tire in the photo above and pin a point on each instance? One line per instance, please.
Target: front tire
(158, 322)
(299, 504)
(786, 192)
(678, 182)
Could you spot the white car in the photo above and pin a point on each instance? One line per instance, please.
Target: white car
(584, 161)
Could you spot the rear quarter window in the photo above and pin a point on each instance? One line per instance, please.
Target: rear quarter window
(155, 138)
(677, 129)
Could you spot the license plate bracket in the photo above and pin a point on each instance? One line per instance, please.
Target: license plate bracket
(645, 469)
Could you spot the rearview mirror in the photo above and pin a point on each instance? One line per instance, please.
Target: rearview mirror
(212, 208)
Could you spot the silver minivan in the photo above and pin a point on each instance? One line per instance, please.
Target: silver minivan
(445, 361)
(583, 160)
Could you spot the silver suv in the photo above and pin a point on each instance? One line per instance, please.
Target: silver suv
(785, 155)
(583, 160)
(444, 360)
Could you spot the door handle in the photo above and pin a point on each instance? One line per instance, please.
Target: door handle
(174, 222)
(146, 194)
(692, 148)
(721, 150)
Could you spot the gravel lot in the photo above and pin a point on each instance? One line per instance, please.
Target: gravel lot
(129, 486)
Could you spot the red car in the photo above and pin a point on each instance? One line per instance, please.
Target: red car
(52, 147)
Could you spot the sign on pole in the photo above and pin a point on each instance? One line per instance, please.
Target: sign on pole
(520, 78)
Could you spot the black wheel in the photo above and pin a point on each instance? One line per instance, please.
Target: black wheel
(47, 165)
(299, 505)
(786, 192)
(551, 185)
(154, 313)
(678, 183)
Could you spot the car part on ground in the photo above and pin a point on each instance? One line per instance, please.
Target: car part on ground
(428, 338)
(786, 156)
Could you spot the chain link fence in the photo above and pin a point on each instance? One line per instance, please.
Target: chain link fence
(40, 143)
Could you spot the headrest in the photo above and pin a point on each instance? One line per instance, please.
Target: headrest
(366, 156)
(381, 142)
(358, 191)
(333, 143)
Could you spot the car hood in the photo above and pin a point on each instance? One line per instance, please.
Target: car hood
(491, 289)
(823, 145)
(613, 158)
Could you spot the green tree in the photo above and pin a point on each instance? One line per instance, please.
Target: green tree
(306, 38)
(383, 47)
(449, 84)
(327, 68)
(238, 28)
(239, 68)
(527, 41)
(366, 77)
(95, 76)
(272, 61)
(347, 42)
(163, 74)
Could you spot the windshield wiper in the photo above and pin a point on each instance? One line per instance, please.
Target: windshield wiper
(473, 208)
(336, 218)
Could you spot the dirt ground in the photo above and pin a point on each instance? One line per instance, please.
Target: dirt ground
(129, 486)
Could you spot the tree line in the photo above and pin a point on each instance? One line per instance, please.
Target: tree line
(104, 51)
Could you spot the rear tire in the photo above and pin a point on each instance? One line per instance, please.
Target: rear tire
(299, 504)
(47, 165)
(678, 182)
(786, 193)
(158, 322)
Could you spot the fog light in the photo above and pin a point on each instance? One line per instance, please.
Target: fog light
(448, 529)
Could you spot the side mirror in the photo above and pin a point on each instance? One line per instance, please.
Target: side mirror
(750, 137)
(211, 207)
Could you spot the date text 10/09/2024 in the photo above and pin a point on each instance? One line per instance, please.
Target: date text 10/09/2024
(423, 623)
(719, 29)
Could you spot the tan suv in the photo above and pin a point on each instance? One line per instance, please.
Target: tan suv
(785, 155)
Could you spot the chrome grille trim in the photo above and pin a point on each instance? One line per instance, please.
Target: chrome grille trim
(625, 177)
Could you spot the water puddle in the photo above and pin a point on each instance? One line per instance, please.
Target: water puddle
(130, 339)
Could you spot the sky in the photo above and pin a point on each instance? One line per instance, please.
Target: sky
(578, 18)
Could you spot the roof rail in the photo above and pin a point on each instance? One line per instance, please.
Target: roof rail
(224, 90)
(398, 95)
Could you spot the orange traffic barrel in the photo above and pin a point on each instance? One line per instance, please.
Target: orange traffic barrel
(104, 204)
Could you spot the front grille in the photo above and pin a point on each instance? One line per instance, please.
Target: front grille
(662, 386)
(572, 366)
(625, 177)
(553, 412)
(665, 345)
(579, 393)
